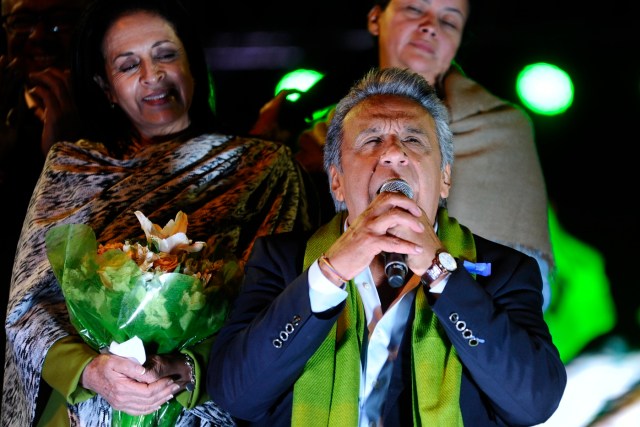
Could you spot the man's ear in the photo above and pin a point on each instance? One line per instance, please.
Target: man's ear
(372, 20)
(337, 188)
(105, 87)
(445, 182)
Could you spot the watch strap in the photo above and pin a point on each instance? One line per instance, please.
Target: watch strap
(434, 272)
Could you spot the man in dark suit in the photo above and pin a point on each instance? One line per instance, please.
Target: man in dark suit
(393, 313)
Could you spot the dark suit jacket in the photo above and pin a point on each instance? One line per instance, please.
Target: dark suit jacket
(513, 377)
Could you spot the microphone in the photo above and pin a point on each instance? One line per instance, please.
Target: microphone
(395, 265)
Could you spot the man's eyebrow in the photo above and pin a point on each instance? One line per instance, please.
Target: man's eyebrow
(419, 131)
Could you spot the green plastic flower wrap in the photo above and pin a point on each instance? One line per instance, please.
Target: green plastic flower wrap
(115, 294)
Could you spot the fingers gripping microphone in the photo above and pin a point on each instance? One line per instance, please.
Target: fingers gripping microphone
(395, 265)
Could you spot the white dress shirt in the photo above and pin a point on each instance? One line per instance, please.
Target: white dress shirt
(383, 341)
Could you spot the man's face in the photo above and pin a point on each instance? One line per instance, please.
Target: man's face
(389, 137)
(422, 35)
(39, 31)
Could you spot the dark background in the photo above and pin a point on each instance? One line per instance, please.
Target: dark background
(587, 154)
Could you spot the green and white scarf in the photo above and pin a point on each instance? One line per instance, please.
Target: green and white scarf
(327, 391)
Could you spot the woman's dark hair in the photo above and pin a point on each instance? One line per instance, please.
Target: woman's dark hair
(104, 123)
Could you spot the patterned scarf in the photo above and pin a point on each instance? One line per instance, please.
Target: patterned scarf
(327, 391)
(233, 189)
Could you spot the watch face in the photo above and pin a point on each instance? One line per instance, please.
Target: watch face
(447, 261)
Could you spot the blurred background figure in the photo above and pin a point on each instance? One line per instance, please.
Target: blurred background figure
(36, 106)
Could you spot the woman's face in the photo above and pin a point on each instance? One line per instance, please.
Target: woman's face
(422, 35)
(148, 74)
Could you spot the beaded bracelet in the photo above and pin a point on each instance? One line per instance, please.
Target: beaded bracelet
(326, 262)
(191, 385)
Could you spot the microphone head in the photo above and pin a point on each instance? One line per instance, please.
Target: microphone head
(397, 185)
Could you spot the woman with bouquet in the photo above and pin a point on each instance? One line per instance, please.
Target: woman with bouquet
(141, 82)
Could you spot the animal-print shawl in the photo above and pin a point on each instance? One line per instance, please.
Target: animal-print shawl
(232, 189)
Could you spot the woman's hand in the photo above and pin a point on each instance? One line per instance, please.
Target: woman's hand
(170, 365)
(130, 387)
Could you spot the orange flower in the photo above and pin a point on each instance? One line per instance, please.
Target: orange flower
(103, 248)
(166, 262)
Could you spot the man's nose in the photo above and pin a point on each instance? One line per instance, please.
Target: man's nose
(394, 152)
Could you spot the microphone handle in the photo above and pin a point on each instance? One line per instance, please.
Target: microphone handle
(395, 267)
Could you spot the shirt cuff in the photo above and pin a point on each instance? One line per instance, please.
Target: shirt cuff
(323, 294)
(437, 289)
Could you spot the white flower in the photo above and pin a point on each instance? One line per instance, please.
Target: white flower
(172, 238)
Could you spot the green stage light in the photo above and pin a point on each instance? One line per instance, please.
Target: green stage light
(582, 307)
(545, 89)
(301, 80)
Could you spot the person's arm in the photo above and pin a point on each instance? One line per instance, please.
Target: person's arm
(63, 366)
(51, 89)
(311, 142)
(248, 370)
(514, 363)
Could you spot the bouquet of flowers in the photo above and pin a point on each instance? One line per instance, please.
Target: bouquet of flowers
(161, 291)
